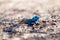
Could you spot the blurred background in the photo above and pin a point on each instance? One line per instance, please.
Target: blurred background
(14, 12)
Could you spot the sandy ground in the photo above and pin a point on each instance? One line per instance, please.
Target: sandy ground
(16, 10)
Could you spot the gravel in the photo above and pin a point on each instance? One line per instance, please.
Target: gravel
(12, 12)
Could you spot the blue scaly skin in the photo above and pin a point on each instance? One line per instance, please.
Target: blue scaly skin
(31, 21)
(26, 21)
